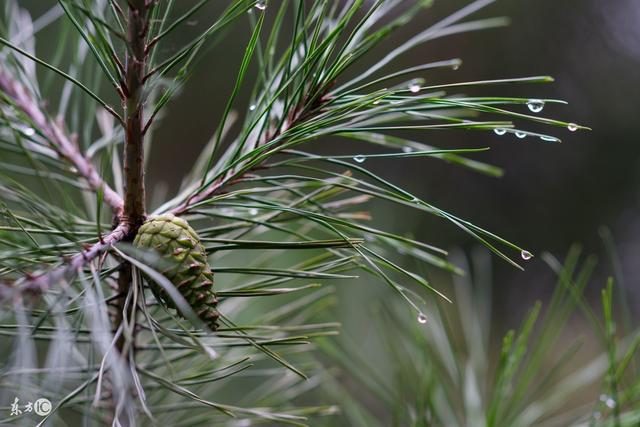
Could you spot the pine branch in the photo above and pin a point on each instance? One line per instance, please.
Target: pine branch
(59, 140)
(138, 25)
(296, 116)
(41, 283)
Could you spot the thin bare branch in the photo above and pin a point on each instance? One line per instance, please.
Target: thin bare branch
(58, 138)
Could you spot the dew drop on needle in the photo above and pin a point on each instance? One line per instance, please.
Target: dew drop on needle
(535, 105)
(549, 138)
(359, 158)
(414, 86)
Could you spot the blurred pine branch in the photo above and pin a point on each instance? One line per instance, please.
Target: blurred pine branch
(454, 372)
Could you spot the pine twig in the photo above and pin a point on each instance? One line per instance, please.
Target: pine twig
(59, 140)
(38, 284)
(294, 117)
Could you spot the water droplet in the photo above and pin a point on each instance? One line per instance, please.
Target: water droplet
(415, 200)
(252, 107)
(500, 131)
(535, 105)
(29, 131)
(572, 127)
(456, 66)
(549, 138)
(360, 158)
(376, 102)
(521, 134)
(422, 318)
(608, 400)
(261, 4)
(253, 211)
(407, 149)
(526, 255)
(414, 86)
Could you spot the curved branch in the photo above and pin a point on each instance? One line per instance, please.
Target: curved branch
(42, 282)
(58, 139)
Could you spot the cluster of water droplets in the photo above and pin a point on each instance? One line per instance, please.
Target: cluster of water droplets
(522, 134)
(535, 106)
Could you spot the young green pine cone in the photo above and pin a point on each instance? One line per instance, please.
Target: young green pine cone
(188, 269)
